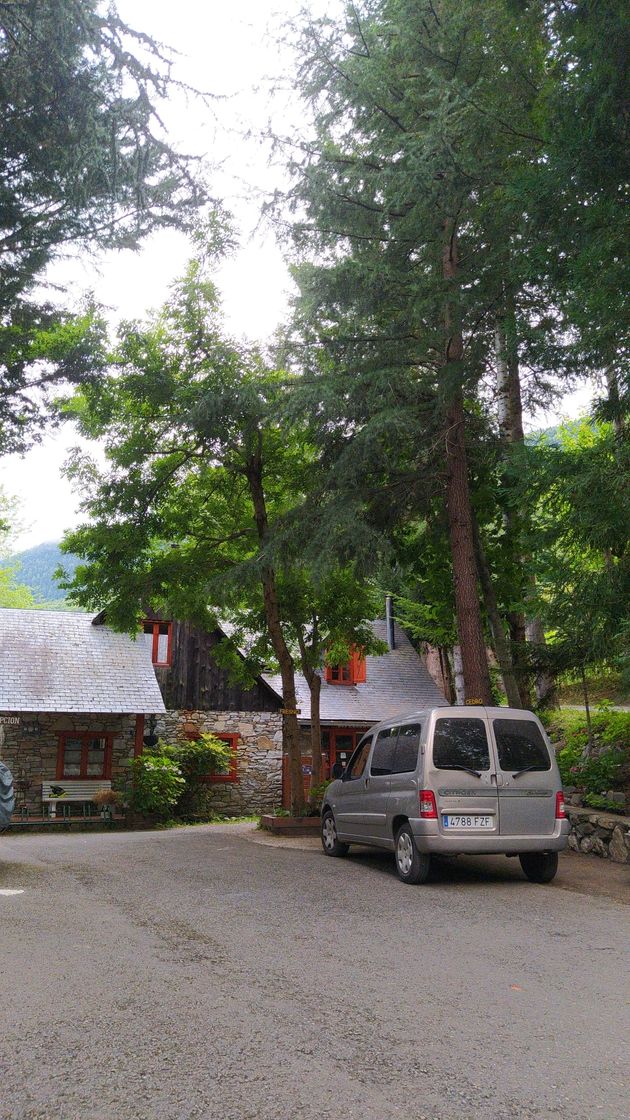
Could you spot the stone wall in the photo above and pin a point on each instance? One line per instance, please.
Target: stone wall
(258, 787)
(602, 834)
(30, 742)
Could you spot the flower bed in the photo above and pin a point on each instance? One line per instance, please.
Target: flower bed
(290, 826)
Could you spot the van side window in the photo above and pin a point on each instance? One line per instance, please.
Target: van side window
(460, 742)
(358, 762)
(383, 757)
(406, 757)
(520, 745)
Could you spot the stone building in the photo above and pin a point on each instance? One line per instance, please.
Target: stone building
(77, 700)
(73, 696)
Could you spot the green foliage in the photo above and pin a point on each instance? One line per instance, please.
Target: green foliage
(580, 543)
(316, 796)
(199, 757)
(12, 593)
(156, 784)
(599, 801)
(168, 778)
(607, 766)
(83, 160)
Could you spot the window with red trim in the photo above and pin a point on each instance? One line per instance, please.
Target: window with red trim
(232, 773)
(158, 637)
(84, 754)
(353, 672)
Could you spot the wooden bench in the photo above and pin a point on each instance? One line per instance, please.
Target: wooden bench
(71, 789)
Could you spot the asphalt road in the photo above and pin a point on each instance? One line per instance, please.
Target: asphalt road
(200, 973)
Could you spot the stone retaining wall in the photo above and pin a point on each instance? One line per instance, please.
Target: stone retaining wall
(258, 787)
(602, 834)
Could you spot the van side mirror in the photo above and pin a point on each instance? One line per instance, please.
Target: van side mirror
(338, 769)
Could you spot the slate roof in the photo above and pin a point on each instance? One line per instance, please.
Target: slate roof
(396, 682)
(57, 661)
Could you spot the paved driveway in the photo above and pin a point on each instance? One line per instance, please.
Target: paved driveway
(198, 973)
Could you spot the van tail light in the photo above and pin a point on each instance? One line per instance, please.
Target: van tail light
(428, 808)
(560, 813)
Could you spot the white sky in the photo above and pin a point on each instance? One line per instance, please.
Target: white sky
(229, 50)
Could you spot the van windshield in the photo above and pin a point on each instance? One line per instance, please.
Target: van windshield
(460, 744)
(520, 745)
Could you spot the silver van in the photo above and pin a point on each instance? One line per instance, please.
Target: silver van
(469, 780)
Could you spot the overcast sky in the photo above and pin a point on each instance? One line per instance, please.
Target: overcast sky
(230, 50)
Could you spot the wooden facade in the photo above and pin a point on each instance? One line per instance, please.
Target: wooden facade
(195, 681)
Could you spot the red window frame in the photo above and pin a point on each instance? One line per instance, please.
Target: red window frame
(154, 624)
(353, 672)
(84, 736)
(232, 773)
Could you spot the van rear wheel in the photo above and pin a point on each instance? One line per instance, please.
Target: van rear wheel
(412, 866)
(539, 867)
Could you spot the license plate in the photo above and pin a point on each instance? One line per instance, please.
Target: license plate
(467, 820)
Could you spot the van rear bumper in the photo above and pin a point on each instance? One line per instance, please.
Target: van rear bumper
(430, 838)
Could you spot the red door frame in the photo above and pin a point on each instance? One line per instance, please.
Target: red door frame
(329, 757)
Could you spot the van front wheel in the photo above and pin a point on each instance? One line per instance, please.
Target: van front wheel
(331, 843)
(412, 866)
(539, 867)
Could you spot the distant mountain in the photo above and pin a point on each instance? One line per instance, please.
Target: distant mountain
(35, 568)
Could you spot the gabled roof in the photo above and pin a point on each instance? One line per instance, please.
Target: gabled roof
(57, 661)
(395, 682)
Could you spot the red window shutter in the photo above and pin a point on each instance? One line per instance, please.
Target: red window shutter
(358, 667)
(328, 673)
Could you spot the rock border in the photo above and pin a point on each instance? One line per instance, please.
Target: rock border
(599, 833)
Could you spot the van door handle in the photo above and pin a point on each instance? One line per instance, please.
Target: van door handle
(367, 782)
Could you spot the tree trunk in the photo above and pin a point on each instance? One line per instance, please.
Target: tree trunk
(509, 403)
(589, 741)
(518, 639)
(314, 683)
(614, 401)
(315, 686)
(510, 418)
(545, 681)
(290, 726)
(501, 643)
(458, 675)
(447, 674)
(458, 506)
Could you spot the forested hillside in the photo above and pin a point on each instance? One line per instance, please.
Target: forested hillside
(35, 568)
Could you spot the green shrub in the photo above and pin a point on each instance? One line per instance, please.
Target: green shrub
(607, 766)
(156, 784)
(199, 757)
(196, 759)
(598, 801)
(316, 796)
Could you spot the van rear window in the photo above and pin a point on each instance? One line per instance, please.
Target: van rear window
(460, 743)
(406, 757)
(520, 745)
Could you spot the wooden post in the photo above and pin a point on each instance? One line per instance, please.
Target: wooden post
(139, 743)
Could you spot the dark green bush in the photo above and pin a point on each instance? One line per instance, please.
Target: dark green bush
(156, 784)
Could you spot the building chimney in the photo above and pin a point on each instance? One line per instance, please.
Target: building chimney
(389, 619)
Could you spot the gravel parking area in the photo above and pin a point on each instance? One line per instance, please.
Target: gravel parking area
(215, 972)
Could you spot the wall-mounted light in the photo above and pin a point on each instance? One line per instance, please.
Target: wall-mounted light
(150, 739)
(31, 727)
